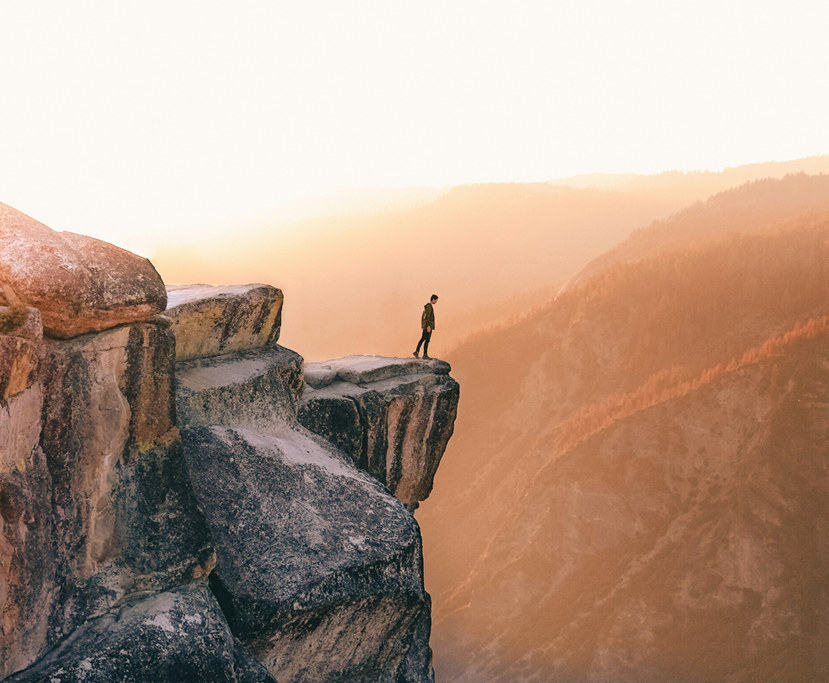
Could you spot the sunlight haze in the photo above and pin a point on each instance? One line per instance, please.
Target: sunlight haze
(152, 123)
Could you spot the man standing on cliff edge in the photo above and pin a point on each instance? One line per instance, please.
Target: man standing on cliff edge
(427, 322)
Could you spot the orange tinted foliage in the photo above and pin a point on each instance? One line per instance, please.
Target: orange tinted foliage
(673, 383)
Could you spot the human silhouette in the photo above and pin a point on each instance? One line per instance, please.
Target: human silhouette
(427, 322)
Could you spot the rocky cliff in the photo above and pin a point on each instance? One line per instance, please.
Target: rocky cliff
(164, 512)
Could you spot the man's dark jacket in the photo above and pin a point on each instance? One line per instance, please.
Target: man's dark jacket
(428, 317)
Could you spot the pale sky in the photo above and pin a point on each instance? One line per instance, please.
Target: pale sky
(140, 122)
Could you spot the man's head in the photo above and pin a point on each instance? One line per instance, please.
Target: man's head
(434, 299)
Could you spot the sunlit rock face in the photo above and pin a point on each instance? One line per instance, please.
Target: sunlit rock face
(111, 521)
(209, 321)
(177, 636)
(79, 284)
(393, 416)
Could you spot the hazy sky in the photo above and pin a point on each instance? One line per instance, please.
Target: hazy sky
(144, 121)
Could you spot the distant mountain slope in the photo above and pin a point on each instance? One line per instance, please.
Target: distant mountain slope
(684, 543)
(699, 182)
(752, 207)
(636, 327)
(358, 283)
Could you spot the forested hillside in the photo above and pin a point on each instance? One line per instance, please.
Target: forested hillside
(633, 339)
(751, 207)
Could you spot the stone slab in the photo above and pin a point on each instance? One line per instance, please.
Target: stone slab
(210, 320)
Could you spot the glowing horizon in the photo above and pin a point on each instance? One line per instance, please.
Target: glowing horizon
(143, 123)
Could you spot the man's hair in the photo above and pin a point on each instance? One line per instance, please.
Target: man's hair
(434, 297)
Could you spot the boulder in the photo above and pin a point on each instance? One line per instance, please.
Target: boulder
(319, 570)
(78, 283)
(21, 331)
(178, 636)
(94, 500)
(210, 321)
(258, 390)
(393, 416)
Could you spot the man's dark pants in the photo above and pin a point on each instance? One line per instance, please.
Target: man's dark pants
(424, 338)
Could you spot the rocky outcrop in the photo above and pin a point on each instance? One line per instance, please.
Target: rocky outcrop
(79, 284)
(112, 520)
(209, 321)
(258, 390)
(319, 569)
(393, 416)
(178, 636)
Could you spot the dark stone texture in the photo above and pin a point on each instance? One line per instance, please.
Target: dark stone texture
(21, 332)
(171, 637)
(394, 417)
(319, 570)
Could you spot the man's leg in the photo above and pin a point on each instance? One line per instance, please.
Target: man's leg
(427, 336)
(423, 338)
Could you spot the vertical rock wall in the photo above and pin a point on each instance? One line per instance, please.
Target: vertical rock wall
(95, 501)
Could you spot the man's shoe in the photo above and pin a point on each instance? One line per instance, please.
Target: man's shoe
(416, 354)
(425, 357)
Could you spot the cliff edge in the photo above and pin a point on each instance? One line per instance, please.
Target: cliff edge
(182, 499)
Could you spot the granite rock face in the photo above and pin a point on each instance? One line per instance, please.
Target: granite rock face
(27, 563)
(79, 284)
(319, 569)
(95, 503)
(210, 321)
(258, 390)
(394, 417)
(240, 548)
(178, 636)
